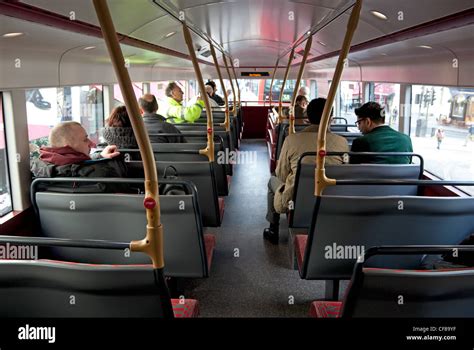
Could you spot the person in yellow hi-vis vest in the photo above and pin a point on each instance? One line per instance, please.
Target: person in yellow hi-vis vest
(176, 113)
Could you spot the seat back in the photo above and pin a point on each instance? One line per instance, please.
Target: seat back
(120, 217)
(344, 227)
(187, 152)
(44, 289)
(339, 129)
(375, 292)
(304, 199)
(218, 130)
(202, 175)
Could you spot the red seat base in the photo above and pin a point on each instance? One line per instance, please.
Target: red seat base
(300, 247)
(325, 309)
(185, 308)
(210, 244)
(221, 207)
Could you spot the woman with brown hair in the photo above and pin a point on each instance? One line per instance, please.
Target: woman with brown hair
(118, 129)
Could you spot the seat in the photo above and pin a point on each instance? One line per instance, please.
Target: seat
(383, 292)
(344, 227)
(304, 200)
(106, 216)
(188, 152)
(58, 289)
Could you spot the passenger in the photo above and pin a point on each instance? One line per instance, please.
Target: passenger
(281, 186)
(118, 129)
(156, 123)
(69, 156)
(210, 92)
(439, 137)
(176, 112)
(378, 137)
(301, 103)
(219, 100)
(304, 91)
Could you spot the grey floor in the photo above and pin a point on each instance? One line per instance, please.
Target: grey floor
(250, 277)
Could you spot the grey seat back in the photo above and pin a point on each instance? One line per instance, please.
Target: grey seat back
(219, 117)
(218, 130)
(43, 289)
(201, 174)
(346, 225)
(304, 199)
(180, 152)
(121, 217)
(438, 293)
(220, 169)
(336, 129)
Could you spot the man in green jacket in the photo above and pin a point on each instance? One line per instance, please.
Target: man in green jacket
(176, 113)
(378, 137)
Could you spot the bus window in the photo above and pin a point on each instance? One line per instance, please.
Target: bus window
(442, 130)
(5, 197)
(46, 107)
(350, 99)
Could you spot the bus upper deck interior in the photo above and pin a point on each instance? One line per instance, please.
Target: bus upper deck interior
(415, 58)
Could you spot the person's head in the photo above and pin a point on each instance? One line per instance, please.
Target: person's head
(174, 91)
(212, 85)
(209, 90)
(301, 101)
(119, 118)
(148, 104)
(369, 116)
(315, 110)
(303, 91)
(71, 134)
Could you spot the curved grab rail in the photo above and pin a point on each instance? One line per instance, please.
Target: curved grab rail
(209, 150)
(152, 244)
(287, 71)
(297, 84)
(321, 181)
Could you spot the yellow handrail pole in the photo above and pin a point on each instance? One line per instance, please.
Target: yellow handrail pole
(234, 110)
(321, 181)
(280, 106)
(236, 82)
(152, 244)
(297, 84)
(209, 150)
(273, 78)
(226, 123)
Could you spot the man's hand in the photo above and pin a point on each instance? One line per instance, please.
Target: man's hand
(109, 152)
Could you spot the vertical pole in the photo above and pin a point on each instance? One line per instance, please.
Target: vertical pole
(273, 78)
(280, 106)
(226, 123)
(321, 181)
(236, 81)
(234, 109)
(209, 150)
(297, 84)
(152, 244)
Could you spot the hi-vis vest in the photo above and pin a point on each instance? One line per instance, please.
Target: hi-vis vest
(178, 114)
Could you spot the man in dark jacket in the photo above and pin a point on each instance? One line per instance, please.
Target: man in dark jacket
(220, 101)
(157, 124)
(68, 156)
(378, 137)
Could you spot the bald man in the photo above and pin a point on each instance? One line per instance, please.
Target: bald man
(303, 91)
(156, 124)
(69, 156)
